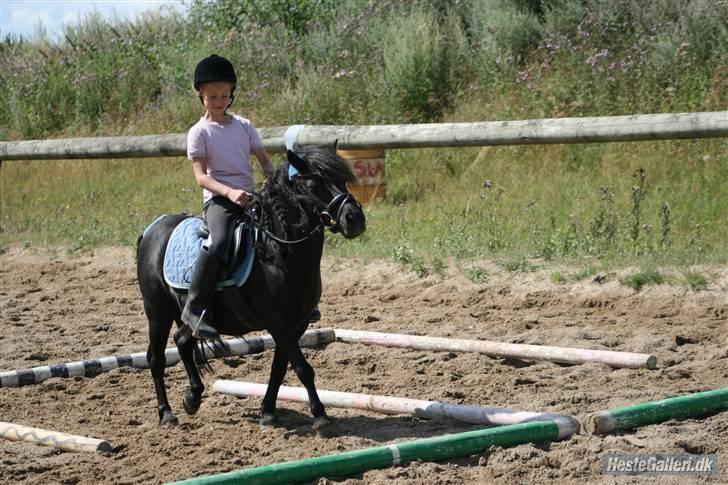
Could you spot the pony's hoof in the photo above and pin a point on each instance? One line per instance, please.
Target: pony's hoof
(191, 403)
(323, 426)
(169, 420)
(268, 420)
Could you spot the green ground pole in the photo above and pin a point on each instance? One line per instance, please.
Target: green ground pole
(692, 405)
(430, 449)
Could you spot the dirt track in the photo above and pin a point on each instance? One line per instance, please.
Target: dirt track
(55, 309)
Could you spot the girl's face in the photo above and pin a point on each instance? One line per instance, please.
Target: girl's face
(216, 98)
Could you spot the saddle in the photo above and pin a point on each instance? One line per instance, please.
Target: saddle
(186, 242)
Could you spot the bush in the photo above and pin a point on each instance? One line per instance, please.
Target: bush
(416, 66)
(501, 35)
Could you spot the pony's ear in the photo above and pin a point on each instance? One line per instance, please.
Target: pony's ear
(298, 163)
(331, 148)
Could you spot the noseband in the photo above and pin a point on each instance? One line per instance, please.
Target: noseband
(331, 216)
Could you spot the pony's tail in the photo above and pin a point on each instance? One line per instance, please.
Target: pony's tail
(138, 243)
(216, 348)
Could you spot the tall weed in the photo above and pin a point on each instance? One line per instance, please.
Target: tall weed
(501, 35)
(416, 66)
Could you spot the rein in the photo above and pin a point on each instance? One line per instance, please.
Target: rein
(294, 241)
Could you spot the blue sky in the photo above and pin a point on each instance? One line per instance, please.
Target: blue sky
(21, 17)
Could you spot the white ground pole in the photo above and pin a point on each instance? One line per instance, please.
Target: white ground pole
(56, 439)
(491, 416)
(564, 355)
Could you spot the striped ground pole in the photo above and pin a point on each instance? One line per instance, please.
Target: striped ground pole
(429, 449)
(94, 367)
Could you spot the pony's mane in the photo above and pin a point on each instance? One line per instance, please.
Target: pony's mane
(328, 164)
(280, 194)
(323, 161)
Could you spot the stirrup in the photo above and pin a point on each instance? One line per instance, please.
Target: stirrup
(203, 330)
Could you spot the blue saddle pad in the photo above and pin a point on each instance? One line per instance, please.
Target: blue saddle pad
(184, 248)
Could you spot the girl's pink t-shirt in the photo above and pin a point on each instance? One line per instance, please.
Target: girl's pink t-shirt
(227, 150)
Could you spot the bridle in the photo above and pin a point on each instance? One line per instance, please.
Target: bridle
(329, 217)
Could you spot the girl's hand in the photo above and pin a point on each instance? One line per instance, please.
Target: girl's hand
(239, 197)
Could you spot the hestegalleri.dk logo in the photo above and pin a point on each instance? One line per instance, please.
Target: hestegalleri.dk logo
(659, 464)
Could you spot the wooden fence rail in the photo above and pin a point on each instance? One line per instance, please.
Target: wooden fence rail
(362, 137)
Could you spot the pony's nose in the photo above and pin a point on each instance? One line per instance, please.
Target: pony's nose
(354, 218)
(355, 223)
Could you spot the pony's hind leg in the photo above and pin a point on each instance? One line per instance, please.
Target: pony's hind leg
(159, 327)
(193, 397)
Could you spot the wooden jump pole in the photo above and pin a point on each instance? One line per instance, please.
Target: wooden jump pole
(564, 355)
(90, 368)
(431, 449)
(600, 129)
(491, 416)
(56, 439)
(691, 405)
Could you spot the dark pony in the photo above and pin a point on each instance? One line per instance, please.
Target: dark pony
(284, 285)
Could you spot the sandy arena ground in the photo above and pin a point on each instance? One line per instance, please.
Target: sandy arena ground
(56, 309)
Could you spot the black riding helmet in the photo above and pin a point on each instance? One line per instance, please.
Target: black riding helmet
(215, 68)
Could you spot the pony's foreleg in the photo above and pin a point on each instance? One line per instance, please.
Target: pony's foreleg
(305, 373)
(193, 396)
(277, 373)
(158, 333)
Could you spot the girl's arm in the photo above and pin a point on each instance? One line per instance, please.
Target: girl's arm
(265, 164)
(199, 166)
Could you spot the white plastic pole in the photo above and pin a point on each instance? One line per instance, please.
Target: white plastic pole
(564, 355)
(56, 439)
(492, 416)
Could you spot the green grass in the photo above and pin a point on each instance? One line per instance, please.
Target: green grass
(584, 273)
(557, 278)
(518, 265)
(359, 62)
(640, 279)
(476, 274)
(694, 280)
(86, 204)
(538, 209)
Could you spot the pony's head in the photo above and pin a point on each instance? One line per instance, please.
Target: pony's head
(325, 176)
